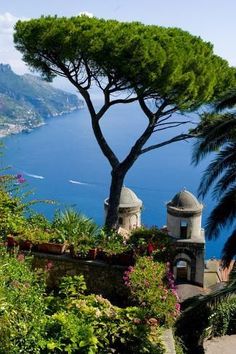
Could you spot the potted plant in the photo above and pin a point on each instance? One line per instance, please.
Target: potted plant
(114, 249)
(79, 232)
(33, 233)
(50, 242)
(11, 241)
(26, 239)
(84, 247)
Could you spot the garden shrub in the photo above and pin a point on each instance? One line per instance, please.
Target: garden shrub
(67, 321)
(223, 319)
(152, 287)
(12, 220)
(22, 306)
(152, 241)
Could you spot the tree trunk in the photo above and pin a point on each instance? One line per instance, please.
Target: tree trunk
(117, 180)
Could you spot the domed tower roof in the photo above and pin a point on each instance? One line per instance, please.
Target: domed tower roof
(128, 199)
(186, 202)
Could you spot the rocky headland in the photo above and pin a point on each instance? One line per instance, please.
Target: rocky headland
(26, 100)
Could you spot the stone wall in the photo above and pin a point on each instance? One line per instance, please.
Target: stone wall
(101, 278)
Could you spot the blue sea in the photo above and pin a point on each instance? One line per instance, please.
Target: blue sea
(61, 161)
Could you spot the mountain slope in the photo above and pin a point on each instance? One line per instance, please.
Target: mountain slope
(26, 100)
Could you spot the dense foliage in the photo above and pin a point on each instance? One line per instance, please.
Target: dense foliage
(152, 241)
(135, 56)
(152, 287)
(222, 320)
(68, 320)
(34, 321)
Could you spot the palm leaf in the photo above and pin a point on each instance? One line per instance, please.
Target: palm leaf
(223, 214)
(214, 136)
(228, 178)
(224, 159)
(229, 250)
(228, 102)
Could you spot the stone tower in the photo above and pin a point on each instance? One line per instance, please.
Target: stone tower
(130, 206)
(184, 214)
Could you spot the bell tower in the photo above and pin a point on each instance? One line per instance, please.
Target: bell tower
(129, 213)
(184, 214)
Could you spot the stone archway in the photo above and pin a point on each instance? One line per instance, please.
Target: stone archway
(184, 267)
(183, 271)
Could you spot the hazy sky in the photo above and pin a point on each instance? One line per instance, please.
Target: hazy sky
(213, 20)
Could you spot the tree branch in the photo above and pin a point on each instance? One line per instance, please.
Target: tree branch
(167, 142)
(108, 104)
(145, 108)
(170, 125)
(107, 151)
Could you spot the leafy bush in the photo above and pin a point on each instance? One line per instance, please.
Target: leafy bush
(39, 221)
(78, 230)
(223, 319)
(12, 220)
(32, 321)
(149, 288)
(22, 306)
(152, 241)
(111, 242)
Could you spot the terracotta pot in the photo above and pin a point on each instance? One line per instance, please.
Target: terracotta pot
(54, 248)
(25, 245)
(92, 254)
(11, 241)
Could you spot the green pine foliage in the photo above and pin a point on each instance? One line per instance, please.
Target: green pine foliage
(166, 62)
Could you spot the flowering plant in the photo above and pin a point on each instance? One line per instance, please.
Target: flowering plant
(151, 286)
(152, 241)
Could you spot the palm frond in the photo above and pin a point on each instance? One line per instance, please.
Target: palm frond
(223, 214)
(228, 178)
(214, 136)
(228, 102)
(223, 160)
(229, 250)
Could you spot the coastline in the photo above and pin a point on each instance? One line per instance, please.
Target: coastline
(13, 129)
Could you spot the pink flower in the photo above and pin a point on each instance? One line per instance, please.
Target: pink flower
(150, 248)
(136, 321)
(49, 265)
(177, 307)
(21, 257)
(20, 178)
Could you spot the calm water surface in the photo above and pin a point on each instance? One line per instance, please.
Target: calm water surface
(62, 161)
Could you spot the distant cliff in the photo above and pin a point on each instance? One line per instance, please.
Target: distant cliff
(26, 100)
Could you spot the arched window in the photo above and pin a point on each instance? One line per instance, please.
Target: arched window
(182, 271)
